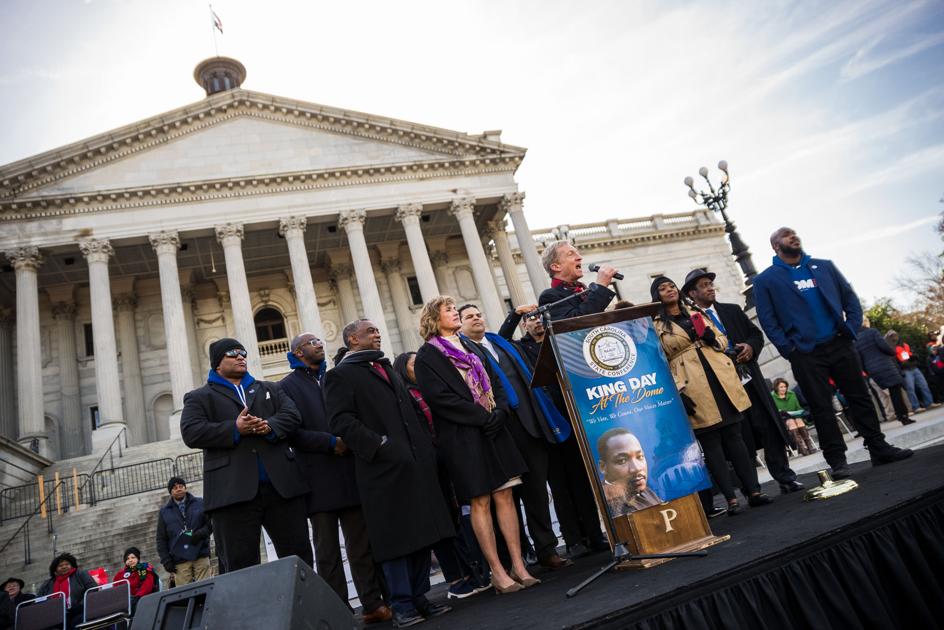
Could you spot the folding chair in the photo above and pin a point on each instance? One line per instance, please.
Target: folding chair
(42, 613)
(106, 605)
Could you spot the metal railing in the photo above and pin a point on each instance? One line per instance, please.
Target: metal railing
(110, 454)
(20, 501)
(45, 507)
(29, 473)
(189, 466)
(123, 481)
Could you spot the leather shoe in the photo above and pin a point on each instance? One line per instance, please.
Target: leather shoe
(377, 615)
(791, 486)
(554, 562)
(578, 551)
(715, 511)
(841, 471)
(434, 610)
(405, 620)
(757, 500)
(887, 454)
(734, 509)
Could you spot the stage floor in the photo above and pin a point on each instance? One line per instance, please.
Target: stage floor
(761, 538)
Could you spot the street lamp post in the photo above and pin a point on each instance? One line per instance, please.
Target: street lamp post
(717, 201)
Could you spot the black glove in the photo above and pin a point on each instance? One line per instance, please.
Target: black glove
(169, 566)
(689, 404)
(199, 535)
(709, 337)
(494, 423)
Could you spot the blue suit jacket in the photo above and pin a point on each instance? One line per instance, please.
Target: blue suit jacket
(785, 315)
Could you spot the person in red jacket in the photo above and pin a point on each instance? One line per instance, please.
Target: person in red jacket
(140, 575)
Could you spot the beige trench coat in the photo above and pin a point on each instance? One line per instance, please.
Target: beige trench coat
(689, 375)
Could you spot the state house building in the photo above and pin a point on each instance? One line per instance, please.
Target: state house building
(258, 217)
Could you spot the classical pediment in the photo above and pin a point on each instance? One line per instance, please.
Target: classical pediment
(240, 135)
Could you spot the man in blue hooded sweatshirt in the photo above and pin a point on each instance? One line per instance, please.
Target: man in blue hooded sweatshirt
(251, 479)
(811, 314)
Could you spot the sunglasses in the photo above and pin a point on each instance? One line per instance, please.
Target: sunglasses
(235, 352)
(313, 342)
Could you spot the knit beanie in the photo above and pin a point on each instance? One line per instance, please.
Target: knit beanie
(221, 347)
(173, 482)
(654, 287)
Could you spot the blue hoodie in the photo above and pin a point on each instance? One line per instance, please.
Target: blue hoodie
(800, 307)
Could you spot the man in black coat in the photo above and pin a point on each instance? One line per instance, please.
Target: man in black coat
(745, 342)
(183, 535)
(879, 360)
(251, 478)
(329, 467)
(528, 428)
(10, 599)
(395, 464)
(573, 497)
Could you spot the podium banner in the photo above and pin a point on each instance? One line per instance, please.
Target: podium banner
(632, 418)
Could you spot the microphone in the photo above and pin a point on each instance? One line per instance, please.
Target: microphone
(596, 267)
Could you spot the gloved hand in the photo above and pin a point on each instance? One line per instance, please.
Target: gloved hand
(199, 535)
(494, 423)
(709, 337)
(689, 404)
(169, 566)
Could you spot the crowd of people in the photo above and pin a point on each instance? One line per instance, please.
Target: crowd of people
(449, 450)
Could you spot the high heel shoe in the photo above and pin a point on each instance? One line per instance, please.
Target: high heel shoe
(757, 500)
(734, 508)
(511, 588)
(527, 582)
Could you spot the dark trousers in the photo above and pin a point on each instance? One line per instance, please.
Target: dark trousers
(408, 581)
(237, 529)
(897, 394)
(725, 444)
(760, 432)
(836, 359)
(328, 563)
(533, 490)
(573, 497)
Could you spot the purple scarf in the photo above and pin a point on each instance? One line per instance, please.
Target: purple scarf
(475, 376)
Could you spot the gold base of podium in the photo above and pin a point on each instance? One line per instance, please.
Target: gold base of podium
(678, 526)
(695, 545)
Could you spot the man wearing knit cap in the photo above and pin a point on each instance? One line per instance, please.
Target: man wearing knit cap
(250, 477)
(183, 535)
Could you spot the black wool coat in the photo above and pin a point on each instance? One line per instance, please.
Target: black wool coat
(740, 329)
(397, 480)
(878, 358)
(331, 477)
(594, 299)
(230, 467)
(477, 463)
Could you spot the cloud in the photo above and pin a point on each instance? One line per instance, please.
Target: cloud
(887, 231)
(863, 63)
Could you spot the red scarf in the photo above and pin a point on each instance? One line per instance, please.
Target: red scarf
(61, 585)
(576, 287)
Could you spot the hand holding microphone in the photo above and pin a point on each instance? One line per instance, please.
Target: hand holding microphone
(605, 274)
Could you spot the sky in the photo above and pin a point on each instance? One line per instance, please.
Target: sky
(830, 114)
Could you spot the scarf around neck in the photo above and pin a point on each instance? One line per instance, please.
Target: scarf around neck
(476, 378)
(62, 585)
(364, 356)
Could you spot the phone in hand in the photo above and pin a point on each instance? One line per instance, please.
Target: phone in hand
(699, 323)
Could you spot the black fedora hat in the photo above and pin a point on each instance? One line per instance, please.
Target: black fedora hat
(694, 276)
(13, 579)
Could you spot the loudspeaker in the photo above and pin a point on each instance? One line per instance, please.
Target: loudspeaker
(281, 595)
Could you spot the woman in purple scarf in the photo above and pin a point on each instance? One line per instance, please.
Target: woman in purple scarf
(469, 410)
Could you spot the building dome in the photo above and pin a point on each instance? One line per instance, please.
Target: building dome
(218, 74)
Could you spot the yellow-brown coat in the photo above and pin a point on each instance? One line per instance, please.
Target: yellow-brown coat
(689, 375)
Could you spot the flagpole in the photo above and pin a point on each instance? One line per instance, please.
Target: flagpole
(213, 29)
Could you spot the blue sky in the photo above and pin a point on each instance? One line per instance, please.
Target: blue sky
(831, 114)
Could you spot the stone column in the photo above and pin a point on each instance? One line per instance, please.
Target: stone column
(166, 244)
(440, 260)
(230, 236)
(8, 424)
(306, 301)
(190, 325)
(390, 264)
(496, 230)
(409, 215)
(73, 431)
(491, 305)
(486, 247)
(107, 384)
(29, 371)
(512, 203)
(135, 412)
(353, 223)
(341, 273)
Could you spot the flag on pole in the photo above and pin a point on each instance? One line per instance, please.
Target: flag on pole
(217, 22)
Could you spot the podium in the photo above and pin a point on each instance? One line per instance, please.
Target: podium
(637, 446)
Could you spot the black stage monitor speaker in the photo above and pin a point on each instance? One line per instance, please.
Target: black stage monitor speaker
(281, 595)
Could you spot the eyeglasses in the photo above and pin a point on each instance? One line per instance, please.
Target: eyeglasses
(235, 352)
(314, 341)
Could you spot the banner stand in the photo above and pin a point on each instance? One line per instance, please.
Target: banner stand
(657, 530)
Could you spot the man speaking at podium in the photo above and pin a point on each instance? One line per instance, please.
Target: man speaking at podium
(573, 498)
